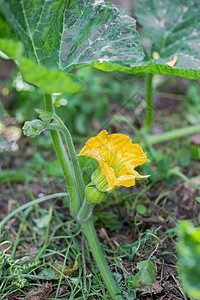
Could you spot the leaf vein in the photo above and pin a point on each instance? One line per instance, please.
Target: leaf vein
(29, 32)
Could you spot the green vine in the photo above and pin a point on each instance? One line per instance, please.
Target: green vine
(17, 271)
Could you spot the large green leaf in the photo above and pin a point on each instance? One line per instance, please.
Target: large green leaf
(189, 258)
(49, 80)
(173, 27)
(66, 34)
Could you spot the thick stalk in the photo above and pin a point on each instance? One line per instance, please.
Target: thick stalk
(75, 162)
(149, 109)
(85, 211)
(100, 260)
(65, 163)
(174, 134)
(72, 154)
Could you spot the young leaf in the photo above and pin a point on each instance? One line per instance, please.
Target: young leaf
(5, 144)
(189, 258)
(44, 115)
(146, 275)
(173, 27)
(33, 128)
(66, 34)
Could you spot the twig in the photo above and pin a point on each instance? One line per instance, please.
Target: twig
(104, 233)
(152, 220)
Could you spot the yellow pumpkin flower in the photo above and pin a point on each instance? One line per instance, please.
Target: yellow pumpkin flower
(117, 157)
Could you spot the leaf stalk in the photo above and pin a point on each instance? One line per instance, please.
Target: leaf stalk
(149, 109)
(173, 134)
(65, 163)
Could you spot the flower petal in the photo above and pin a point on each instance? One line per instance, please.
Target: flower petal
(124, 180)
(117, 157)
(94, 142)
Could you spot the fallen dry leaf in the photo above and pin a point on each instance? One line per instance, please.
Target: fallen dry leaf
(67, 269)
(172, 62)
(41, 294)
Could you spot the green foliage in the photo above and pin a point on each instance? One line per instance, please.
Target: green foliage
(195, 152)
(46, 168)
(53, 168)
(141, 209)
(127, 289)
(47, 274)
(13, 49)
(64, 35)
(189, 258)
(164, 162)
(132, 249)
(5, 144)
(16, 175)
(109, 219)
(174, 29)
(33, 128)
(68, 34)
(16, 270)
(49, 80)
(146, 275)
(44, 115)
(147, 271)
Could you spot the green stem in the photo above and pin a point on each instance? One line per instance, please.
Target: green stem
(149, 109)
(65, 163)
(100, 260)
(157, 244)
(177, 172)
(75, 162)
(174, 134)
(85, 211)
